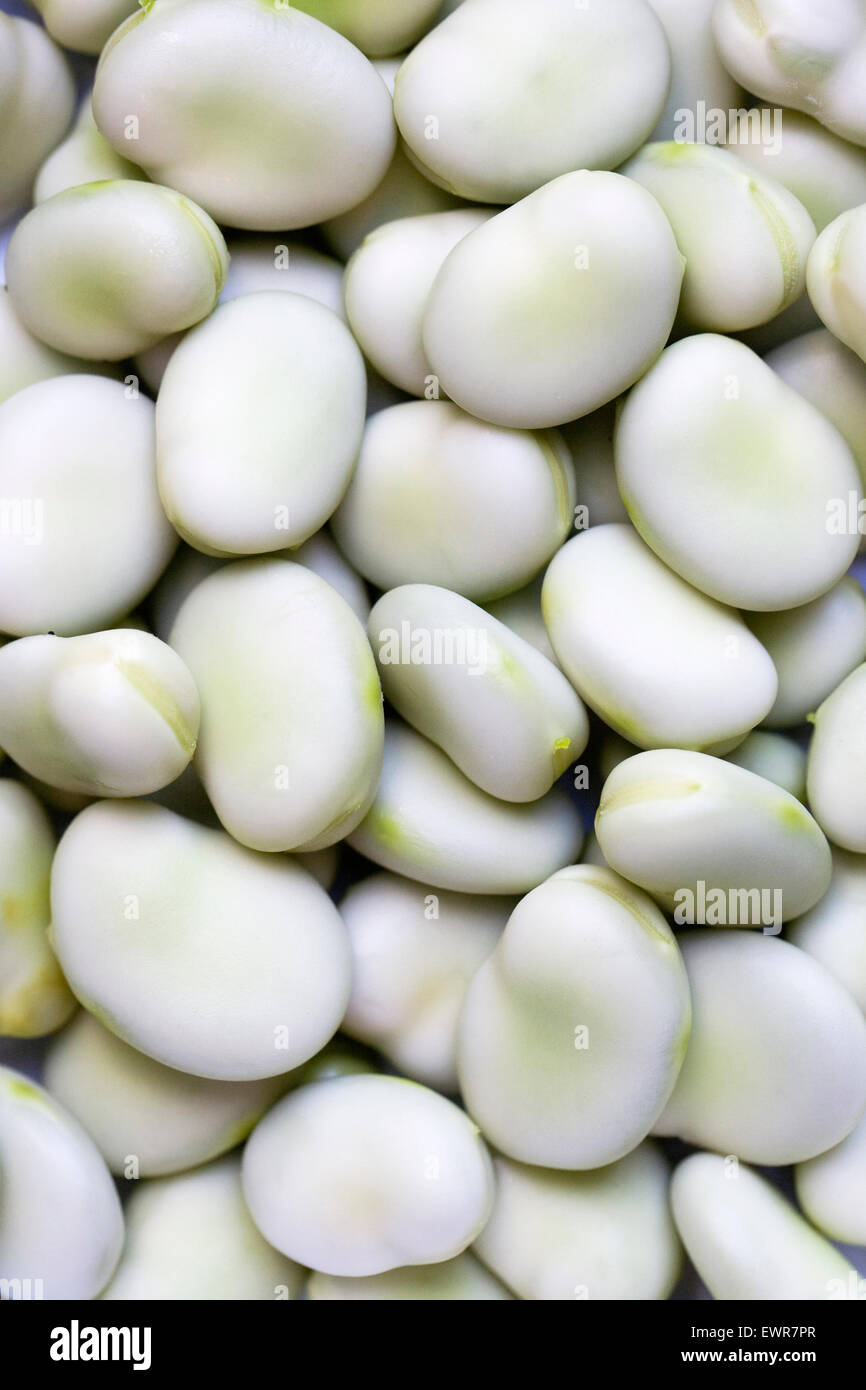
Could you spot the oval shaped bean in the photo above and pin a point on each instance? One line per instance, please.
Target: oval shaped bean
(574, 1030)
(813, 649)
(604, 1235)
(61, 1227)
(731, 477)
(414, 951)
(290, 745)
(388, 282)
(84, 536)
(365, 1174)
(590, 310)
(832, 378)
(246, 954)
(109, 714)
(501, 711)
(84, 25)
(793, 54)
(775, 758)
(766, 1079)
(275, 379)
(713, 842)
(37, 99)
(831, 1188)
(435, 491)
(34, 997)
(745, 238)
(431, 823)
(594, 78)
(462, 1279)
(746, 1241)
(621, 623)
(314, 110)
(832, 931)
(376, 29)
(147, 1119)
(130, 263)
(836, 279)
(837, 763)
(85, 156)
(826, 173)
(191, 1237)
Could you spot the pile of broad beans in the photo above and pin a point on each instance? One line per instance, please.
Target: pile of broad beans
(422, 429)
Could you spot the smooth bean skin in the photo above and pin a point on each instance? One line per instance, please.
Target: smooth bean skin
(620, 622)
(836, 279)
(775, 758)
(291, 736)
(107, 714)
(338, 1176)
(831, 1188)
(276, 379)
(34, 997)
(604, 1235)
(832, 378)
(147, 1119)
(37, 99)
(463, 1279)
(832, 931)
(594, 77)
(246, 953)
(429, 822)
(189, 567)
(387, 285)
(376, 29)
(84, 156)
(826, 173)
(592, 308)
(130, 263)
(258, 264)
(730, 476)
(414, 951)
(83, 25)
(745, 238)
(263, 77)
(435, 490)
(746, 1240)
(792, 1023)
(78, 459)
(793, 53)
(503, 713)
(574, 1030)
(60, 1217)
(697, 72)
(191, 1237)
(836, 776)
(813, 649)
(670, 820)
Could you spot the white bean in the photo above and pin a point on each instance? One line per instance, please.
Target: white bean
(365, 1174)
(246, 953)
